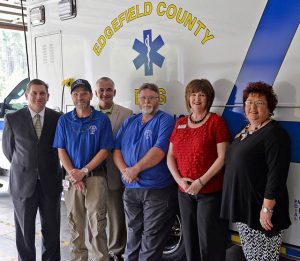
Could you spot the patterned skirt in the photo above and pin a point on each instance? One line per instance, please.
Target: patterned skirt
(257, 246)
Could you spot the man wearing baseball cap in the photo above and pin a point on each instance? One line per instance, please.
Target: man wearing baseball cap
(81, 83)
(83, 138)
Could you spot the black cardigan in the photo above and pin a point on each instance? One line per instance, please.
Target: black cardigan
(257, 168)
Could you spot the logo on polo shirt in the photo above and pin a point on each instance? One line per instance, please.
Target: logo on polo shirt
(92, 129)
(148, 134)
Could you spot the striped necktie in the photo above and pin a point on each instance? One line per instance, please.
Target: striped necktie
(38, 125)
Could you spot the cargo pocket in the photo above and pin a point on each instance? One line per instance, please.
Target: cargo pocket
(98, 222)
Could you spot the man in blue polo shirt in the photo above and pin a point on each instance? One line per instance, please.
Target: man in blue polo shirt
(150, 195)
(83, 138)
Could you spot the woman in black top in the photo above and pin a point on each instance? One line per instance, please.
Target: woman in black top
(257, 162)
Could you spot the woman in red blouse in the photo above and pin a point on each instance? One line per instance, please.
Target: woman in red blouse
(196, 159)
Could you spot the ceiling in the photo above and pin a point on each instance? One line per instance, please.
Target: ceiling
(11, 14)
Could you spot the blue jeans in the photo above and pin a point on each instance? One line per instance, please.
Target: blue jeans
(150, 214)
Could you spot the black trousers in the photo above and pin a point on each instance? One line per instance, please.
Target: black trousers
(25, 210)
(150, 214)
(204, 233)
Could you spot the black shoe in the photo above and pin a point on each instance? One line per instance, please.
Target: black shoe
(120, 257)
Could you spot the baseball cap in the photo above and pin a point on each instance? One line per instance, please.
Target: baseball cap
(81, 83)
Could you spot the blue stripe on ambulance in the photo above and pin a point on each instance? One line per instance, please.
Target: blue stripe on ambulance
(265, 56)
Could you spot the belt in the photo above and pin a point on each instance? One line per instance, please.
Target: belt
(96, 173)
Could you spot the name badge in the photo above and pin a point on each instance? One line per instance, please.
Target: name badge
(183, 126)
(66, 184)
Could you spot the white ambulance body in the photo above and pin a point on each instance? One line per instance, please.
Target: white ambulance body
(170, 43)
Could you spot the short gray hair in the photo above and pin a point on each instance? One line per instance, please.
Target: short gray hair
(105, 79)
(149, 86)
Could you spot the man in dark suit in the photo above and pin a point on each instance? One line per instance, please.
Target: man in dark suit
(105, 91)
(35, 173)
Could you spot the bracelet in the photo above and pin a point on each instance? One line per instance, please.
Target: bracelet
(201, 183)
(267, 210)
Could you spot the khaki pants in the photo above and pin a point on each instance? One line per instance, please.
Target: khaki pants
(116, 222)
(90, 203)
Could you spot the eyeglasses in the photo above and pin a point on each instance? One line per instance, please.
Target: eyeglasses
(256, 103)
(150, 98)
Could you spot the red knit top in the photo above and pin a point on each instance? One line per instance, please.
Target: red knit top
(195, 149)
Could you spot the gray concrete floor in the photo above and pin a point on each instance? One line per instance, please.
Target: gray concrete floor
(8, 251)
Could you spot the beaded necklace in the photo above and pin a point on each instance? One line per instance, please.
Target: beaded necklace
(245, 132)
(199, 121)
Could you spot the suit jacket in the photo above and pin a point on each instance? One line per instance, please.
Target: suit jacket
(31, 157)
(118, 116)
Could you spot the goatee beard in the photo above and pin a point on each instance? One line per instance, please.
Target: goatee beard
(149, 111)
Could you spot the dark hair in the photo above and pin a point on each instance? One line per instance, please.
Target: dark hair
(105, 79)
(199, 85)
(37, 82)
(149, 86)
(264, 89)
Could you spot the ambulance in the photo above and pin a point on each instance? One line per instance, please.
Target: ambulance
(169, 43)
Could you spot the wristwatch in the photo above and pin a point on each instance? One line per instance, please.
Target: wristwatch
(267, 210)
(85, 171)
